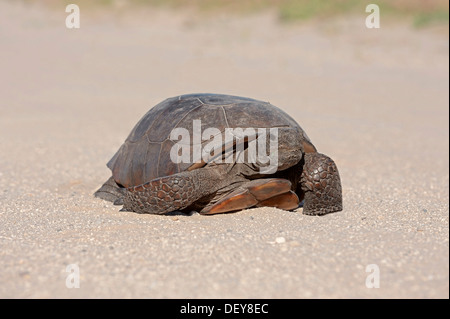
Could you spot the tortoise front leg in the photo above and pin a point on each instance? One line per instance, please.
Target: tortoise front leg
(321, 185)
(174, 192)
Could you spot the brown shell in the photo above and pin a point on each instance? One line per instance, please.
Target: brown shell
(145, 155)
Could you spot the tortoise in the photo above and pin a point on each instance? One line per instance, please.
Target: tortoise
(146, 179)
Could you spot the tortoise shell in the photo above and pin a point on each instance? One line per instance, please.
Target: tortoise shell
(145, 155)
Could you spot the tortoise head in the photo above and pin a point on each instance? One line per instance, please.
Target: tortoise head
(321, 185)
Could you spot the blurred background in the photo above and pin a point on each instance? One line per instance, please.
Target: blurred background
(418, 13)
(315, 59)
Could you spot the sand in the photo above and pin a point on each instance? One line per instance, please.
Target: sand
(376, 101)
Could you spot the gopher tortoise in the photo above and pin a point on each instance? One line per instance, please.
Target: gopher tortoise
(209, 153)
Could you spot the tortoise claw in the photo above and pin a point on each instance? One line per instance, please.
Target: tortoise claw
(118, 202)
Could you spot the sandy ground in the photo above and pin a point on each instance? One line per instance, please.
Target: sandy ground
(374, 100)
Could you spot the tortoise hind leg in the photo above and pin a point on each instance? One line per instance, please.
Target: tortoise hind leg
(111, 192)
(273, 192)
